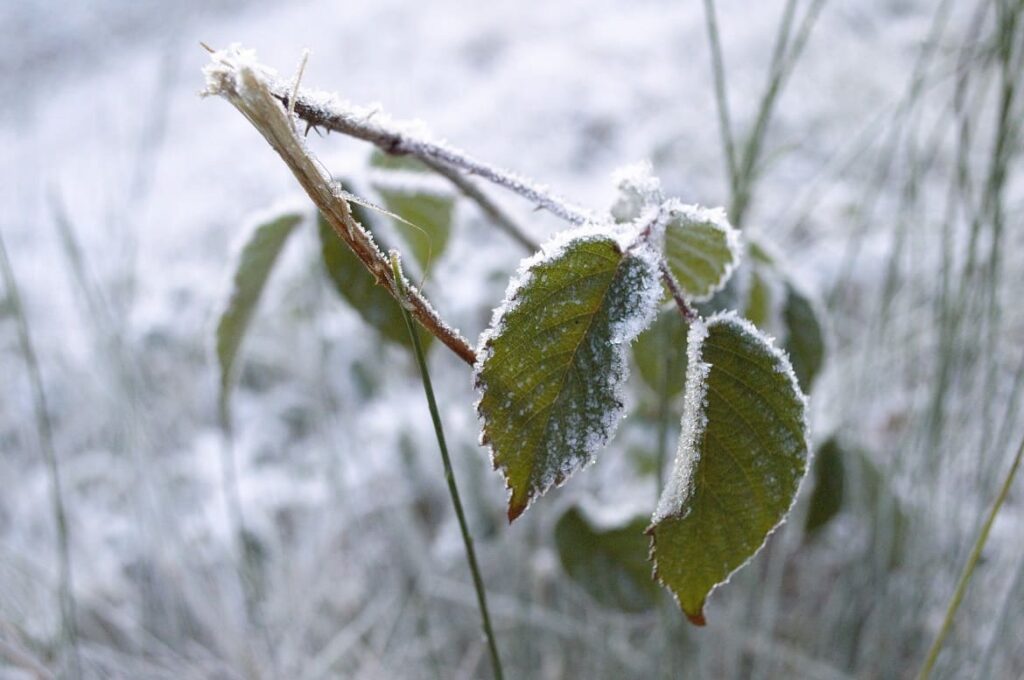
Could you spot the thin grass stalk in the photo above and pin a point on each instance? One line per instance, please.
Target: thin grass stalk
(972, 562)
(721, 91)
(44, 429)
(449, 474)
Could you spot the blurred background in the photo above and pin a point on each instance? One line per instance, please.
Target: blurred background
(880, 143)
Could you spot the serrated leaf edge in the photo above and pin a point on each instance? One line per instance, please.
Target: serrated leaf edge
(552, 249)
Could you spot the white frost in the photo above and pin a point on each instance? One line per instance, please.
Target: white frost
(679, 485)
(638, 189)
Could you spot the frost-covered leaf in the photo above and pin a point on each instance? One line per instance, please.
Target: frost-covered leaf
(255, 263)
(637, 189)
(609, 563)
(430, 213)
(550, 368)
(805, 338)
(829, 475)
(357, 286)
(742, 454)
(660, 353)
(701, 249)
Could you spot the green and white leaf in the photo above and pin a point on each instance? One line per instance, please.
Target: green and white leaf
(258, 256)
(609, 563)
(552, 364)
(742, 455)
(701, 249)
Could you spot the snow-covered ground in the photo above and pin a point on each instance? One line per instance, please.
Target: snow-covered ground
(352, 555)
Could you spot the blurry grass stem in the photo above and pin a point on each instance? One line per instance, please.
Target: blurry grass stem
(972, 562)
(449, 474)
(743, 164)
(44, 428)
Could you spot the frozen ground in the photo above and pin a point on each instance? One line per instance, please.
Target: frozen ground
(358, 565)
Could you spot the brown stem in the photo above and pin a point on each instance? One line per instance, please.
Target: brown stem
(396, 142)
(677, 293)
(236, 79)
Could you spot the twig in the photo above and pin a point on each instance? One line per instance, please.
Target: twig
(449, 474)
(320, 111)
(501, 219)
(236, 77)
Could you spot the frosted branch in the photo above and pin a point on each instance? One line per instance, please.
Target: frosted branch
(489, 207)
(235, 75)
(323, 110)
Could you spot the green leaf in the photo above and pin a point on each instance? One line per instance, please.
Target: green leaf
(660, 353)
(805, 338)
(742, 454)
(432, 215)
(829, 484)
(552, 365)
(610, 564)
(255, 263)
(758, 309)
(701, 249)
(358, 287)
(386, 161)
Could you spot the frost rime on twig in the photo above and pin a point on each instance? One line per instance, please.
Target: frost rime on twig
(324, 110)
(235, 75)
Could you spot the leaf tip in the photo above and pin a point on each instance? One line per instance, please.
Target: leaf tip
(696, 618)
(515, 509)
